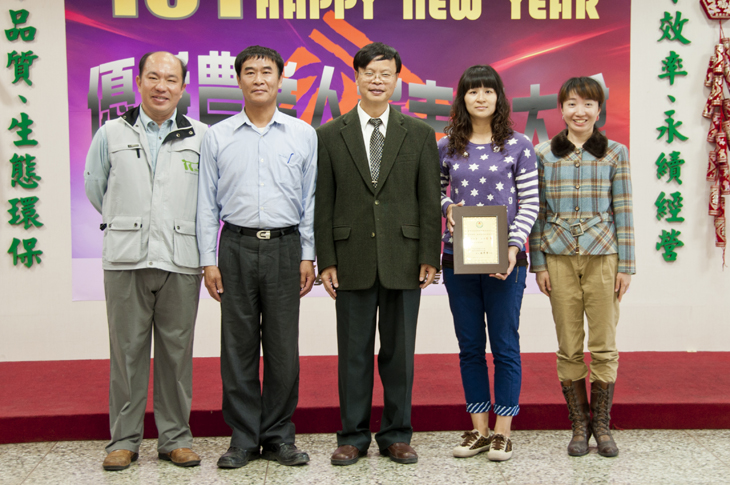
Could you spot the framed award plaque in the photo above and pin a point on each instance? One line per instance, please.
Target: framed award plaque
(480, 239)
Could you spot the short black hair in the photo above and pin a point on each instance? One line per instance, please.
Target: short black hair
(377, 51)
(183, 66)
(258, 52)
(585, 87)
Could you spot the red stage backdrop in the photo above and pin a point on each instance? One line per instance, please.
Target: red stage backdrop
(534, 44)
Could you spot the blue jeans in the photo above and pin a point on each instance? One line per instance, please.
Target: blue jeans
(470, 298)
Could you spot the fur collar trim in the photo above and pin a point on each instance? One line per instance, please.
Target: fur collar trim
(597, 144)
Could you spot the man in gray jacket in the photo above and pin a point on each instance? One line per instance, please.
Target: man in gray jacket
(142, 176)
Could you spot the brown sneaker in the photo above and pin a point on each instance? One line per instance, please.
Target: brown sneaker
(119, 460)
(500, 449)
(181, 457)
(473, 443)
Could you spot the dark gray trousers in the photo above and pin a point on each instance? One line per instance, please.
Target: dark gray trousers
(356, 322)
(140, 303)
(259, 308)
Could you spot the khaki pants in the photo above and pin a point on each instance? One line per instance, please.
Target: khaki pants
(140, 303)
(584, 284)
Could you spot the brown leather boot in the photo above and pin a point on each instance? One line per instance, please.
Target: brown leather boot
(580, 417)
(601, 401)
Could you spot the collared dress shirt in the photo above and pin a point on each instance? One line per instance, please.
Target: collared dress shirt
(97, 174)
(260, 178)
(367, 128)
(155, 133)
(576, 188)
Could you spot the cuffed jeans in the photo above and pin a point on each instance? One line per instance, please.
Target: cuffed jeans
(470, 298)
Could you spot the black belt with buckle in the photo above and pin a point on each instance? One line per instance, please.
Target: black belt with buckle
(261, 233)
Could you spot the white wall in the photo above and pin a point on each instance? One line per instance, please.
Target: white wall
(682, 305)
(671, 307)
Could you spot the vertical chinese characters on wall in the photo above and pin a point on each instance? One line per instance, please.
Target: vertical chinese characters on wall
(23, 176)
(669, 165)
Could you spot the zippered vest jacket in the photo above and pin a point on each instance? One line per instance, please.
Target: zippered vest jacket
(150, 216)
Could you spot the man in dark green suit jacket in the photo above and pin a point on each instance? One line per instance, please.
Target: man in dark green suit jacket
(377, 232)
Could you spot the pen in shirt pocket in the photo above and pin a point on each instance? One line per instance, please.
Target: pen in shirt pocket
(289, 160)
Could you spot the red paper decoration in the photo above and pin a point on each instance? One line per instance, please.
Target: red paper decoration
(716, 9)
(717, 109)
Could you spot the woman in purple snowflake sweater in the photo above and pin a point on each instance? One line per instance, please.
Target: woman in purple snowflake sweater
(484, 162)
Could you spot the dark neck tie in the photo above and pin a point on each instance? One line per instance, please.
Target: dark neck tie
(377, 140)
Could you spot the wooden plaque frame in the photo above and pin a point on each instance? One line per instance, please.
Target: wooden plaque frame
(487, 211)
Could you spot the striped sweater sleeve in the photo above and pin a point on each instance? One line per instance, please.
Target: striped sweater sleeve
(525, 174)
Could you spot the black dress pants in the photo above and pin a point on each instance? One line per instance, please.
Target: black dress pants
(259, 309)
(396, 312)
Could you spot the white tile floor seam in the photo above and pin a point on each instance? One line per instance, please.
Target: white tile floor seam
(646, 457)
(720, 436)
(25, 450)
(720, 450)
(36, 466)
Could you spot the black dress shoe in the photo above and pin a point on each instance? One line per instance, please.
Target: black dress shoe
(237, 457)
(285, 453)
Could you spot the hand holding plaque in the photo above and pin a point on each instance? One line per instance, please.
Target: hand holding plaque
(480, 239)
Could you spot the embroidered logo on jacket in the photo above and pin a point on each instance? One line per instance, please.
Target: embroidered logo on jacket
(190, 167)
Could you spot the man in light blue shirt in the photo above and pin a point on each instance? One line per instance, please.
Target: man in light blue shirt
(258, 171)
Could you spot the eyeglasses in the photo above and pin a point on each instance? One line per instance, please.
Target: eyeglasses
(386, 76)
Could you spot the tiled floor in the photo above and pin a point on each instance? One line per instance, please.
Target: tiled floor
(646, 457)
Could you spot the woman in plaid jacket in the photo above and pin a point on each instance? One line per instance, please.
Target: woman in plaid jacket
(582, 249)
